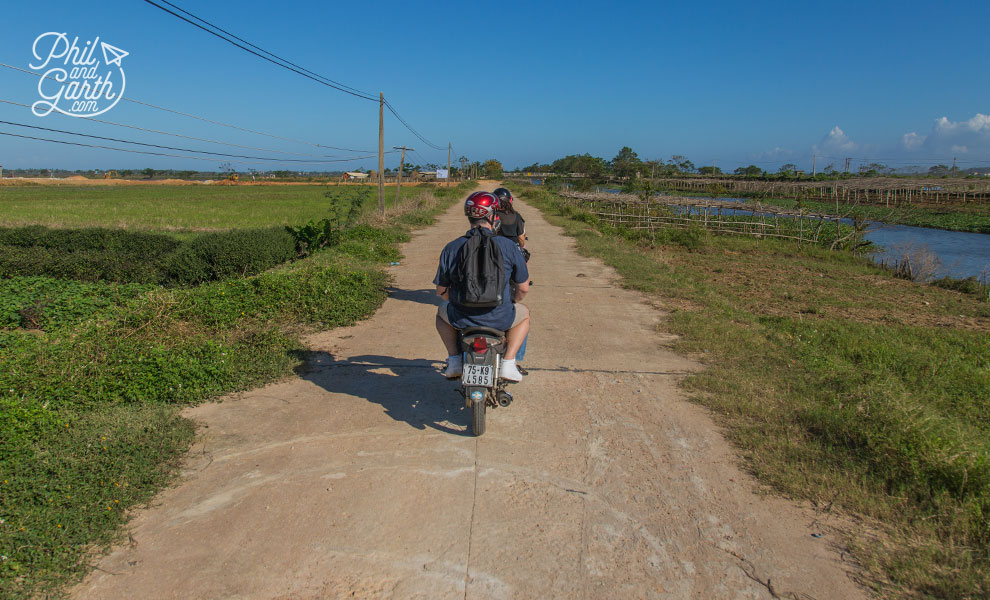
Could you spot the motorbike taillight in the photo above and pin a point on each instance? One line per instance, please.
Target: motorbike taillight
(480, 345)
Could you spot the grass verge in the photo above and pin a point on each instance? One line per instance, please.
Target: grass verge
(90, 396)
(840, 383)
(178, 207)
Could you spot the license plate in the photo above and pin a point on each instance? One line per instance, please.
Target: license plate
(478, 375)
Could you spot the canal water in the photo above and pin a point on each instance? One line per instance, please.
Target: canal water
(961, 254)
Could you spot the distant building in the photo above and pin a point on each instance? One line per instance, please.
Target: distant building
(355, 175)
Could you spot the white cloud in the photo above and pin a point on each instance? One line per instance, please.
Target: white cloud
(913, 140)
(972, 135)
(835, 141)
(777, 153)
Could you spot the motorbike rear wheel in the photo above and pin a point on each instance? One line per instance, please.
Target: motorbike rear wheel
(478, 417)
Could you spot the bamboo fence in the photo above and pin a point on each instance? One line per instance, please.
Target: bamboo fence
(629, 211)
(884, 191)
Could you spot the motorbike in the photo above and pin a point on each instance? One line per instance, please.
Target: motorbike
(482, 349)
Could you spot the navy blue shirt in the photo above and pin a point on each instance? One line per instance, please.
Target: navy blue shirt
(499, 317)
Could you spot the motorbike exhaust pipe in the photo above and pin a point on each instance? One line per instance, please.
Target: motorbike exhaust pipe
(504, 398)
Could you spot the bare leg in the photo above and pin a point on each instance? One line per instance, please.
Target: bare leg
(515, 337)
(449, 336)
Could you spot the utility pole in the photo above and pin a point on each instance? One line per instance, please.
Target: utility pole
(847, 164)
(398, 179)
(814, 160)
(448, 164)
(381, 153)
(463, 160)
(714, 170)
(953, 164)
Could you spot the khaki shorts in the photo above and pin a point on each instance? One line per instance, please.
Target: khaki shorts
(521, 313)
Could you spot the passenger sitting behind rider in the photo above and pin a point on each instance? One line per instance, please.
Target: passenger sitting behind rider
(510, 316)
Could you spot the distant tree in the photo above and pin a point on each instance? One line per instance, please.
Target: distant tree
(787, 170)
(874, 168)
(536, 168)
(149, 172)
(681, 164)
(590, 166)
(710, 171)
(750, 171)
(939, 170)
(626, 162)
(829, 170)
(492, 169)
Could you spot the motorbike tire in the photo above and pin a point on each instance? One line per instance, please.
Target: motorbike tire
(478, 418)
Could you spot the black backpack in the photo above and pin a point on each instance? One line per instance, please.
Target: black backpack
(478, 279)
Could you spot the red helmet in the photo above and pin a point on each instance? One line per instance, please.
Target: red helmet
(480, 205)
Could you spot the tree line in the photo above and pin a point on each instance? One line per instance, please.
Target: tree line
(628, 164)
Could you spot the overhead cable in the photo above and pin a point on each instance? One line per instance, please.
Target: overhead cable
(275, 59)
(188, 137)
(319, 79)
(204, 119)
(160, 146)
(29, 137)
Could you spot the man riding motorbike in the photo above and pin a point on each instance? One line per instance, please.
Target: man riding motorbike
(510, 316)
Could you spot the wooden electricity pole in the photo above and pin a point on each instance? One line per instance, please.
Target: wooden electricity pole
(381, 153)
(448, 164)
(398, 179)
(814, 161)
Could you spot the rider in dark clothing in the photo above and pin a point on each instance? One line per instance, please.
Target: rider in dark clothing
(513, 225)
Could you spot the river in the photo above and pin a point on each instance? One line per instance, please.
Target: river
(961, 254)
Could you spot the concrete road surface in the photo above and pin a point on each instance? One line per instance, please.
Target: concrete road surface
(359, 478)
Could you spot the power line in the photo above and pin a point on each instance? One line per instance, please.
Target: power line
(204, 119)
(29, 137)
(223, 155)
(271, 135)
(284, 63)
(189, 137)
(318, 79)
(263, 50)
(410, 127)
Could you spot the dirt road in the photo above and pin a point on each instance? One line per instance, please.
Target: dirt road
(359, 479)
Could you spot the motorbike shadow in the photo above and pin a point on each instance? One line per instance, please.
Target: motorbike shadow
(410, 390)
(424, 296)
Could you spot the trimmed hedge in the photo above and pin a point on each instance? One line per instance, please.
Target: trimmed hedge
(119, 256)
(238, 253)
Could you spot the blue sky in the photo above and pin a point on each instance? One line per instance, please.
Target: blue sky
(737, 83)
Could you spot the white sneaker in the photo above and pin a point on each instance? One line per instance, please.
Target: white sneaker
(455, 365)
(510, 372)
